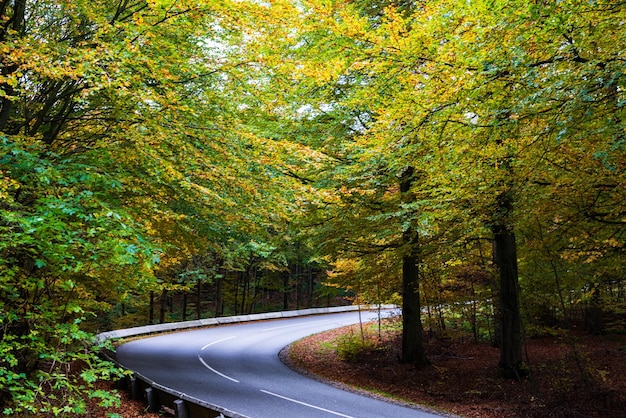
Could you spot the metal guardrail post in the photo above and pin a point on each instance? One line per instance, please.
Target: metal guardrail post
(180, 409)
(135, 389)
(153, 400)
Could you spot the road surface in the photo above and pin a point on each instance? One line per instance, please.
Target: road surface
(237, 367)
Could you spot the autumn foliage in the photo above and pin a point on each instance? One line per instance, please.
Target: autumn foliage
(168, 160)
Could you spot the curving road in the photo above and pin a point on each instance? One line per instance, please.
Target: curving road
(237, 367)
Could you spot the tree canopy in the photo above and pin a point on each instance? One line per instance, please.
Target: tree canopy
(242, 153)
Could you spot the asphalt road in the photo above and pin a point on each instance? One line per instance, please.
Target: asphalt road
(237, 367)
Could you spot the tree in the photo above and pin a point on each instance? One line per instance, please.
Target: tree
(486, 105)
(122, 147)
(359, 186)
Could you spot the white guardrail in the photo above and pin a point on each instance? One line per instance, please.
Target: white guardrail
(161, 398)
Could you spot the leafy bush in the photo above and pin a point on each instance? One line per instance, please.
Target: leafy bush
(65, 251)
(351, 346)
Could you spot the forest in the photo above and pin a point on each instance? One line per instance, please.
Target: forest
(167, 160)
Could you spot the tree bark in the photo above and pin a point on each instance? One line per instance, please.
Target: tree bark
(510, 338)
(310, 287)
(297, 275)
(594, 312)
(412, 342)
(162, 306)
(256, 283)
(245, 278)
(285, 289)
(151, 314)
(198, 299)
(237, 293)
(219, 296)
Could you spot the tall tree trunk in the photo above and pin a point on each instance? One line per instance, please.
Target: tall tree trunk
(298, 285)
(163, 306)
(310, 287)
(199, 300)
(245, 277)
(510, 338)
(151, 315)
(219, 296)
(412, 342)
(256, 283)
(594, 312)
(237, 292)
(286, 275)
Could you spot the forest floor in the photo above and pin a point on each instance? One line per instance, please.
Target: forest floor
(570, 376)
